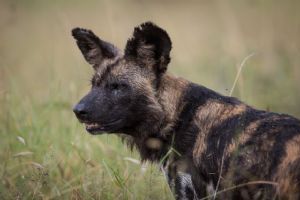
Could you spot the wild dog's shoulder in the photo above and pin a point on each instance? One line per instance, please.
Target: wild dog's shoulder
(224, 125)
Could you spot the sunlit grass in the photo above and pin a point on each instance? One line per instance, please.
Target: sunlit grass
(45, 153)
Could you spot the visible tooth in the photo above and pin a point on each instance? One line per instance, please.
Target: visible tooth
(91, 125)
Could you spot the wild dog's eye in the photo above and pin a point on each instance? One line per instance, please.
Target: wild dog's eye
(117, 86)
(114, 86)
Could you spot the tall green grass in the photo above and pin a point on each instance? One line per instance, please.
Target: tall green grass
(46, 154)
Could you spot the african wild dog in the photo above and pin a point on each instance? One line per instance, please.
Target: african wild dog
(213, 142)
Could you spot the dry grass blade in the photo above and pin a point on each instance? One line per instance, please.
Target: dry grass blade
(239, 72)
(135, 161)
(220, 176)
(22, 140)
(24, 153)
(37, 165)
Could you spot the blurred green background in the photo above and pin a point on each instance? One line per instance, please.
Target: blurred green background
(46, 154)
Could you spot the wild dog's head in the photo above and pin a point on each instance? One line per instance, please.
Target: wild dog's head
(123, 94)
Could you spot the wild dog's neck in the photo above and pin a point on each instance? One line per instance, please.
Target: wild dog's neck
(169, 93)
(171, 122)
(183, 101)
(153, 138)
(179, 101)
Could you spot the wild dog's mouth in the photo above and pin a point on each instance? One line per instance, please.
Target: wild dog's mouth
(93, 127)
(99, 128)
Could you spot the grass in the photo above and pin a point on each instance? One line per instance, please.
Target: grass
(46, 154)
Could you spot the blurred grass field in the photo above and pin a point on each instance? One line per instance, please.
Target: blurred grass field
(46, 154)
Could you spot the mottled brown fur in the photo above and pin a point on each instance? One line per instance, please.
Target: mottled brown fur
(206, 142)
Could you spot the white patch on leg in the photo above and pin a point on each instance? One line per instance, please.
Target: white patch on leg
(186, 182)
(210, 190)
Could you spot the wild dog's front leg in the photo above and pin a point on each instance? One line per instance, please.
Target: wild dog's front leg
(180, 180)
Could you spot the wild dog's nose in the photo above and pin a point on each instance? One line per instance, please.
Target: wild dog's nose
(80, 111)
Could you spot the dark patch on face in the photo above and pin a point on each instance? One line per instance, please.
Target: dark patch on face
(110, 104)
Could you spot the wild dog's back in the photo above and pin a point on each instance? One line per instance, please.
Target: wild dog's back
(237, 144)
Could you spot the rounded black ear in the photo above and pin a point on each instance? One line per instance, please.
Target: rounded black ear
(150, 46)
(94, 50)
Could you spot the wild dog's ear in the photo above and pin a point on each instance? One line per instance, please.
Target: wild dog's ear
(94, 50)
(150, 46)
